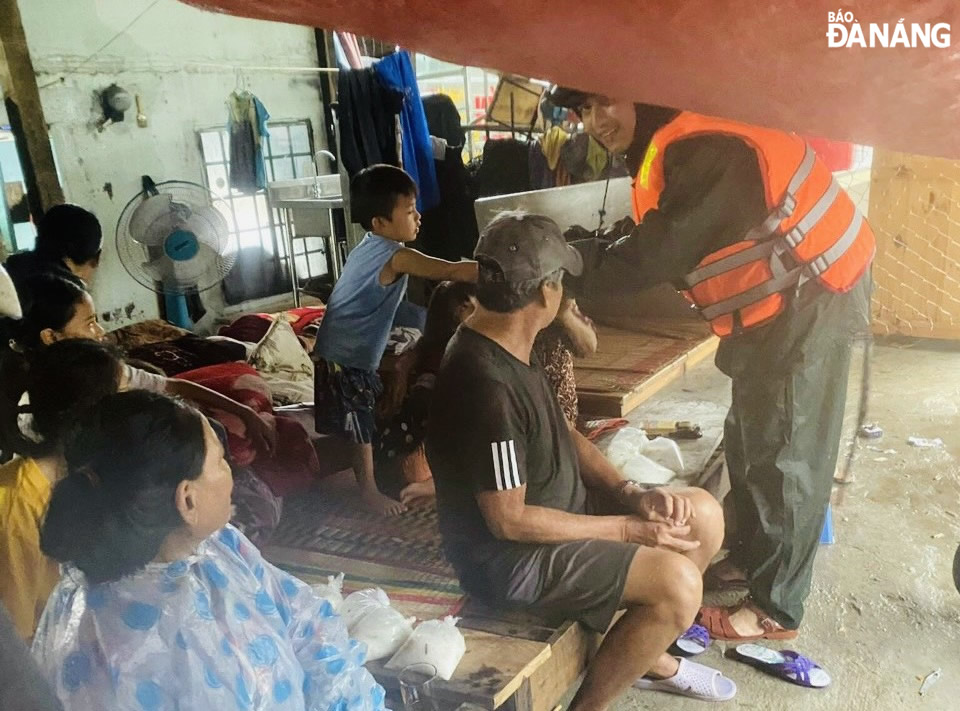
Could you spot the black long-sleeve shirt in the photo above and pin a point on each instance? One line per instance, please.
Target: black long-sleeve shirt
(713, 194)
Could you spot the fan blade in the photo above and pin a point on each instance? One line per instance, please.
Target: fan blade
(159, 269)
(209, 226)
(152, 221)
(175, 275)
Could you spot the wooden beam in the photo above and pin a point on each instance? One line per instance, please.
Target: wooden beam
(23, 92)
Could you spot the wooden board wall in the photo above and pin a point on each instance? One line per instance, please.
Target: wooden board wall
(915, 212)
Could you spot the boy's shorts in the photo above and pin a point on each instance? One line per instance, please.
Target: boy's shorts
(344, 401)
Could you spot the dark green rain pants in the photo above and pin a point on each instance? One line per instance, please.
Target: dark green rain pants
(782, 438)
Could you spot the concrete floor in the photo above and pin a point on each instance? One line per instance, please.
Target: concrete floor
(883, 612)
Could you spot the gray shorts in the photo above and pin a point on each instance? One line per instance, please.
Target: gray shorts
(582, 580)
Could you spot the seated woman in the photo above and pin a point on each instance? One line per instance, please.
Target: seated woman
(163, 605)
(62, 381)
(571, 334)
(401, 463)
(69, 240)
(66, 311)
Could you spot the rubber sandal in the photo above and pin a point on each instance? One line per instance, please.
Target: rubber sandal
(693, 680)
(717, 622)
(691, 643)
(785, 664)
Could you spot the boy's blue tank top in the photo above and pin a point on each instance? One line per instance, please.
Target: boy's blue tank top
(359, 316)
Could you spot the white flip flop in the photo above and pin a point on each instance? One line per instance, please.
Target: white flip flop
(693, 680)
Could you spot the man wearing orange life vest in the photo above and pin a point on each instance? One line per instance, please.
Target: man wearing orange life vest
(755, 231)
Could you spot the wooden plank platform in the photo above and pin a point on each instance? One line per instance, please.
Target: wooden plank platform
(571, 647)
(630, 366)
(493, 669)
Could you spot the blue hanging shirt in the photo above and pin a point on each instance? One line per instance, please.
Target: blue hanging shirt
(396, 71)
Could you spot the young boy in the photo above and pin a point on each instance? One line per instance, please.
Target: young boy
(353, 334)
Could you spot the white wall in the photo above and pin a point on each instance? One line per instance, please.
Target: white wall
(156, 58)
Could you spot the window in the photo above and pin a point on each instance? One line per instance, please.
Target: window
(287, 153)
(471, 89)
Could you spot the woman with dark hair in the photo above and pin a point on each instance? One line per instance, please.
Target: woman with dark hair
(57, 308)
(69, 240)
(572, 334)
(62, 382)
(162, 604)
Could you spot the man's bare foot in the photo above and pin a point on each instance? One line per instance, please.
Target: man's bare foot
(746, 623)
(417, 490)
(381, 504)
(665, 667)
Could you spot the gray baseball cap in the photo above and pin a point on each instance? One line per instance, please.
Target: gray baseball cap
(526, 246)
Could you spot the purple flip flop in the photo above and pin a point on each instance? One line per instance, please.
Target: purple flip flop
(691, 643)
(786, 664)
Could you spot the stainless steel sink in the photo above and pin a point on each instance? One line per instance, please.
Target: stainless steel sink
(328, 202)
(311, 187)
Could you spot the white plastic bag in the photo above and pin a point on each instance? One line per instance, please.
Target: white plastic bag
(332, 590)
(644, 470)
(626, 443)
(357, 604)
(626, 452)
(665, 452)
(436, 642)
(383, 630)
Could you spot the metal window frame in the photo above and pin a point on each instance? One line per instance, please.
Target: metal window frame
(310, 256)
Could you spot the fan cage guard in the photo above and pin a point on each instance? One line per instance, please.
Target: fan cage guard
(133, 254)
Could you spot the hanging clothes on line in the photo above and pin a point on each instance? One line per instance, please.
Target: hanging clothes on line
(545, 167)
(396, 70)
(247, 124)
(449, 230)
(366, 110)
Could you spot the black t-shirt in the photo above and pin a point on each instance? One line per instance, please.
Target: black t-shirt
(495, 424)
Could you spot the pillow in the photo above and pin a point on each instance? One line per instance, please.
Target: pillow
(280, 352)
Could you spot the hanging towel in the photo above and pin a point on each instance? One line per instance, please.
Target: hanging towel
(247, 124)
(262, 116)
(396, 70)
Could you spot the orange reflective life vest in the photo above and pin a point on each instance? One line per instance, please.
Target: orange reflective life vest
(812, 231)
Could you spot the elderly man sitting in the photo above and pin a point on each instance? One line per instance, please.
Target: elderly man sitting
(533, 516)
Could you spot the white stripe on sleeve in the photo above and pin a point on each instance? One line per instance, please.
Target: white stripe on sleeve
(505, 465)
(513, 466)
(495, 448)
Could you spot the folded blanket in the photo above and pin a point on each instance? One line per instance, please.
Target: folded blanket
(293, 466)
(188, 353)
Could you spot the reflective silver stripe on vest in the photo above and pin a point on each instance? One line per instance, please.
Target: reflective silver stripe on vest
(750, 296)
(762, 231)
(826, 260)
(738, 259)
(795, 236)
(768, 227)
(788, 203)
(803, 172)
